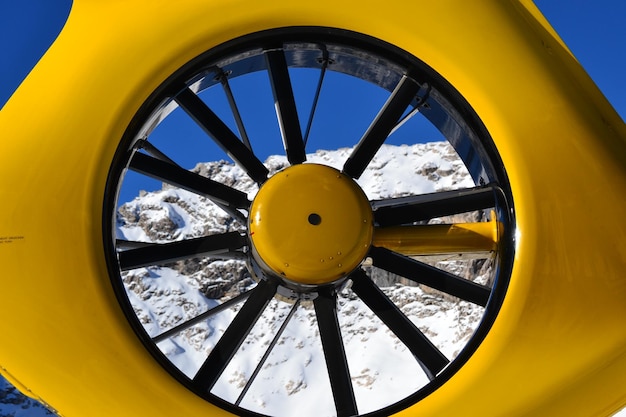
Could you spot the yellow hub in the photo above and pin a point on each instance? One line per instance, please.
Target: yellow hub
(310, 224)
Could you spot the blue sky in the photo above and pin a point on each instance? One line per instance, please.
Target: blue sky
(594, 31)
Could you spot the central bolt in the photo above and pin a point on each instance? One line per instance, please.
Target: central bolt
(315, 219)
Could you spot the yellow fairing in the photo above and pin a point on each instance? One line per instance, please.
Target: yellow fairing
(435, 239)
(322, 233)
(558, 346)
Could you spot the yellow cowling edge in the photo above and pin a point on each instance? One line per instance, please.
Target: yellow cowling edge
(558, 346)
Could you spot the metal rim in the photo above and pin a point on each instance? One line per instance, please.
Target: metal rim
(413, 88)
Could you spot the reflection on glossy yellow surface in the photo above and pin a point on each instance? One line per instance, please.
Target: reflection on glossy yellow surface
(471, 239)
(317, 235)
(558, 346)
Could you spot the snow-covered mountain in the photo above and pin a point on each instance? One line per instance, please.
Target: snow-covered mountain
(294, 375)
(294, 378)
(15, 404)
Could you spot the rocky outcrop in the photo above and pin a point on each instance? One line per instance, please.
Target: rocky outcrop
(168, 295)
(14, 404)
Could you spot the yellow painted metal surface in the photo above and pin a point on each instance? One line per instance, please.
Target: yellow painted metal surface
(433, 239)
(558, 346)
(310, 224)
